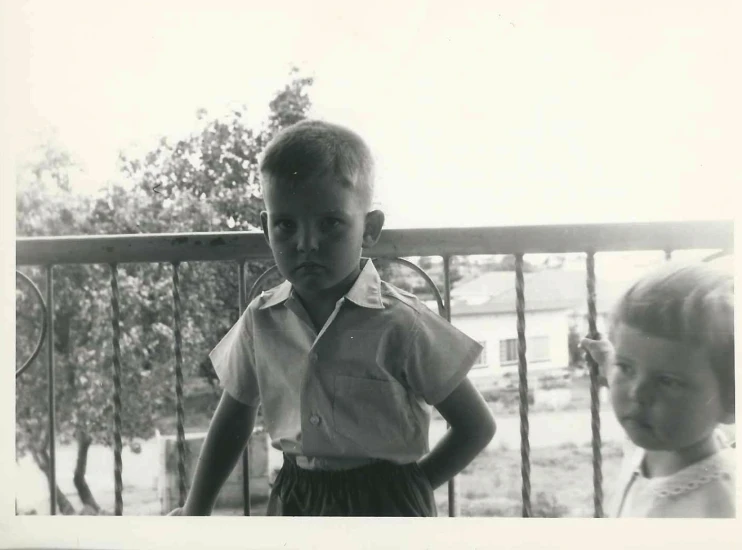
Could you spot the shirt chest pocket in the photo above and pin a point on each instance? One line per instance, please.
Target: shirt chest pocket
(373, 414)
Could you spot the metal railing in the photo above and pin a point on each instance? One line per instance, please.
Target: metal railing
(394, 244)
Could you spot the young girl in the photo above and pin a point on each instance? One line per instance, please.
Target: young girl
(670, 369)
(345, 366)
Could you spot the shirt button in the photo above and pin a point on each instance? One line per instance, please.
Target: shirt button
(314, 420)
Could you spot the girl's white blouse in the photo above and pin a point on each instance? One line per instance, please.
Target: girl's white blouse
(704, 489)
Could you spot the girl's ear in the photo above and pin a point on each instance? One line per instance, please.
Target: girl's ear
(373, 224)
(264, 225)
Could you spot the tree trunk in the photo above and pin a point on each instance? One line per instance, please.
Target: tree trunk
(41, 457)
(86, 496)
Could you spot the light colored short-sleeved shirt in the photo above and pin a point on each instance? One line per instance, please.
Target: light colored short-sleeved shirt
(704, 489)
(359, 390)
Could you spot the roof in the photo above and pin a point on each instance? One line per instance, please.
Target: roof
(544, 290)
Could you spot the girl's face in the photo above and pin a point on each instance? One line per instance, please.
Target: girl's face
(664, 393)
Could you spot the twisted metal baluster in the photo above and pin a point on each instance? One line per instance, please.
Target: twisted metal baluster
(179, 412)
(525, 448)
(246, 453)
(594, 389)
(119, 507)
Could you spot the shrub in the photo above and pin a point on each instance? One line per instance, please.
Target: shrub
(547, 506)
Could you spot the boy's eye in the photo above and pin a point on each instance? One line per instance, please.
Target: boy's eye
(670, 382)
(331, 223)
(284, 225)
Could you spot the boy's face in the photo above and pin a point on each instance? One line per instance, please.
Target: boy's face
(664, 393)
(316, 230)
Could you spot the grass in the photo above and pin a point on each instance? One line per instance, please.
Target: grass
(561, 482)
(561, 485)
(506, 402)
(561, 475)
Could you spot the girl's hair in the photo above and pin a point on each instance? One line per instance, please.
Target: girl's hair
(690, 303)
(313, 148)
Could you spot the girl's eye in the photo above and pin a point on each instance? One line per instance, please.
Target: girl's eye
(670, 382)
(624, 368)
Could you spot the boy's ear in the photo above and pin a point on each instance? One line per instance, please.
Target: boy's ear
(372, 228)
(264, 225)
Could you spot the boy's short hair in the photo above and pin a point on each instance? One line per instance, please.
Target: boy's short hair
(691, 303)
(314, 148)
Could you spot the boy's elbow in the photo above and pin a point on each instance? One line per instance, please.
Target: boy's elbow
(490, 429)
(486, 430)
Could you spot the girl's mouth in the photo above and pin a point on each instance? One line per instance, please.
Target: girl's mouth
(639, 422)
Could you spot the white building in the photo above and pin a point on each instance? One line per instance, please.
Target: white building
(484, 308)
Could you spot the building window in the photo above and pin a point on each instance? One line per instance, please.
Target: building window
(482, 359)
(509, 351)
(537, 349)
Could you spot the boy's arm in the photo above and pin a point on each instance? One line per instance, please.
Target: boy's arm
(471, 429)
(228, 433)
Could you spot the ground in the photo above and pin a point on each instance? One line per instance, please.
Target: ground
(561, 470)
(561, 482)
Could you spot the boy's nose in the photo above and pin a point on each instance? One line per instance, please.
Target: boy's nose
(307, 241)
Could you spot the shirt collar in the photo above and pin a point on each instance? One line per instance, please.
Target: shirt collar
(365, 292)
(278, 295)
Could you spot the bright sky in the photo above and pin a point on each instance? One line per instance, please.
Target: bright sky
(480, 113)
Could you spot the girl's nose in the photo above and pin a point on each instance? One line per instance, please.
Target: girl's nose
(641, 391)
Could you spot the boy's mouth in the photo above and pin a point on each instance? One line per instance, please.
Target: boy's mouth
(308, 266)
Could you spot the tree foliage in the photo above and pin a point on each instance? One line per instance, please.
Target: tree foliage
(204, 181)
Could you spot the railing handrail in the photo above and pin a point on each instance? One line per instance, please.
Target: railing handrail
(250, 245)
(394, 243)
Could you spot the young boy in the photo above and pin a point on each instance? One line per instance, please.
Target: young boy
(345, 366)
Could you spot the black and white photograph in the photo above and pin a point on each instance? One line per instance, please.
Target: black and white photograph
(368, 262)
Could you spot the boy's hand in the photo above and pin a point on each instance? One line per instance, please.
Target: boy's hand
(472, 428)
(601, 351)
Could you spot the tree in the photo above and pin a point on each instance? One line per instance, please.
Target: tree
(507, 263)
(46, 206)
(206, 181)
(433, 267)
(576, 353)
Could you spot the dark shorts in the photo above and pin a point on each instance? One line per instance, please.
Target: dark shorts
(379, 489)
